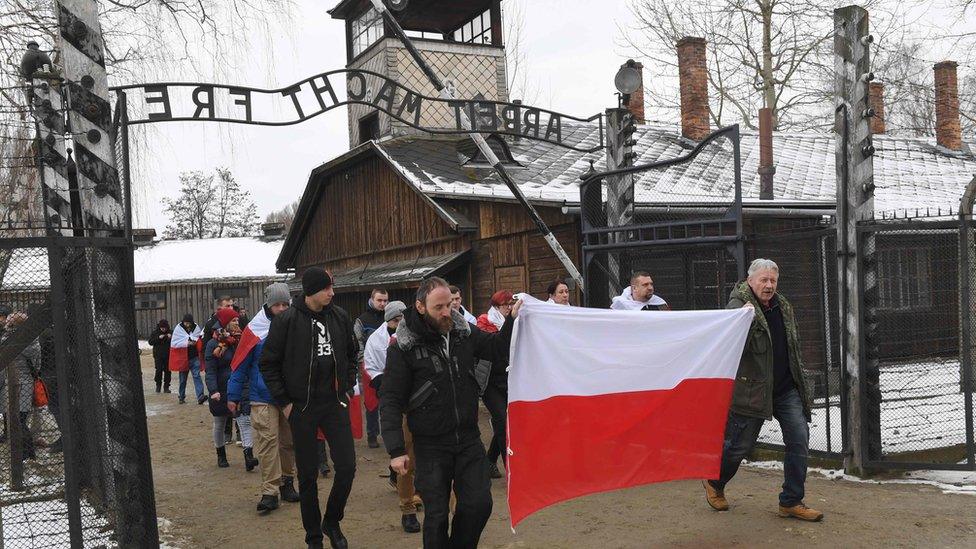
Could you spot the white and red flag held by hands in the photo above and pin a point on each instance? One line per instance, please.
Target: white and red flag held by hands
(179, 360)
(254, 333)
(600, 400)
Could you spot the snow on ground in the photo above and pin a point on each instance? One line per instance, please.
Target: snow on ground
(44, 524)
(950, 482)
(921, 409)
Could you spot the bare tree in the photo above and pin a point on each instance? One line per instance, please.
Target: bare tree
(521, 85)
(285, 215)
(210, 206)
(761, 53)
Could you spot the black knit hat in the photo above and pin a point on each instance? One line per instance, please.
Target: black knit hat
(188, 318)
(314, 280)
(163, 323)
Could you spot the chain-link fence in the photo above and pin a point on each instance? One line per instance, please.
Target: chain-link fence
(917, 408)
(74, 456)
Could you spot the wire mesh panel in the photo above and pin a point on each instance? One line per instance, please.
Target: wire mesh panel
(807, 260)
(914, 333)
(74, 457)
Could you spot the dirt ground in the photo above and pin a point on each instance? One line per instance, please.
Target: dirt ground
(202, 506)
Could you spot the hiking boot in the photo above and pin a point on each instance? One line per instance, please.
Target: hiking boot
(158, 387)
(410, 523)
(332, 531)
(166, 389)
(250, 462)
(222, 457)
(287, 490)
(267, 504)
(715, 497)
(182, 401)
(801, 512)
(493, 471)
(372, 442)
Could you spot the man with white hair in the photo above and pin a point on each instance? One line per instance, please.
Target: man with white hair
(768, 384)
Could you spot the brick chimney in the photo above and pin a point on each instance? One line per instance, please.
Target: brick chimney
(693, 80)
(636, 103)
(948, 132)
(876, 103)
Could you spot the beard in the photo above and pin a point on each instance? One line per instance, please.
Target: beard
(441, 325)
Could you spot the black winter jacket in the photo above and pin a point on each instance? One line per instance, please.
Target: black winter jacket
(438, 393)
(160, 346)
(289, 352)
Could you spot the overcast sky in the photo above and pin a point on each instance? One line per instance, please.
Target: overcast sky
(573, 58)
(572, 49)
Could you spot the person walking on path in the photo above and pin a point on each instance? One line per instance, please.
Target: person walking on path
(218, 353)
(429, 376)
(367, 323)
(768, 384)
(375, 357)
(272, 435)
(184, 357)
(495, 394)
(309, 364)
(159, 340)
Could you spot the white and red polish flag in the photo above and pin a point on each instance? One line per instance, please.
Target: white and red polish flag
(254, 333)
(600, 400)
(179, 360)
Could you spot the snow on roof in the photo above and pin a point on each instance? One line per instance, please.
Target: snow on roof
(167, 261)
(206, 259)
(909, 172)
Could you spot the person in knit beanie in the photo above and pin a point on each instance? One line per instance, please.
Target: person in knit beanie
(310, 366)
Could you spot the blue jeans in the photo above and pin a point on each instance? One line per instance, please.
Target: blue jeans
(742, 431)
(197, 382)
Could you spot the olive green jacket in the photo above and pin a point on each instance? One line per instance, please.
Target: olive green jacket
(753, 392)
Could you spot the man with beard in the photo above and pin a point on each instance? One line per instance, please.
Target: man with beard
(309, 366)
(430, 377)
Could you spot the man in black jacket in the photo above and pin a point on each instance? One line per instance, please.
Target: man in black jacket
(430, 377)
(309, 366)
(159, 340)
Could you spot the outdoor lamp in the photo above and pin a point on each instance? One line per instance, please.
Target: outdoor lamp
(627, 80)
(34, 59)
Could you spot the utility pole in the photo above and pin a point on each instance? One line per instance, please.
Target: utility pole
(857, 274)
(479, 141)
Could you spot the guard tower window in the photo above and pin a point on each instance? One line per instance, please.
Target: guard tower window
(366, 30)
(369, 127)
(475, 31)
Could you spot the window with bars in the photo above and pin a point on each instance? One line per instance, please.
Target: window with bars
(147, 301)
(366, 30)
(904, 276)
(475, 31)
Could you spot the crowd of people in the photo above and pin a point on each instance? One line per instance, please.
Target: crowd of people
(287, 379)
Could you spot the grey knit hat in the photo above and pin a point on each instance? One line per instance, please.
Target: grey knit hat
(393, 310)
(277, 293)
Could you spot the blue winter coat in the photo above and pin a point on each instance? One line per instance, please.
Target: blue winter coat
(247, 382)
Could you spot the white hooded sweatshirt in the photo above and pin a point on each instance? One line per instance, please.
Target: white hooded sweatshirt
(626, 302)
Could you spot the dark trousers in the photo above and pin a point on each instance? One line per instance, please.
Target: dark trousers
(463, 465)
(373, 423)
(741, 433)
(334, 421)
(496, 401)
(163, 375)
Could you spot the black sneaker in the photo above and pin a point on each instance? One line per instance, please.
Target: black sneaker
(493, 471)
(202, 398)
(267, 504)
(166, 389)
(334, 533)
(410, 523)
(182, 401)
